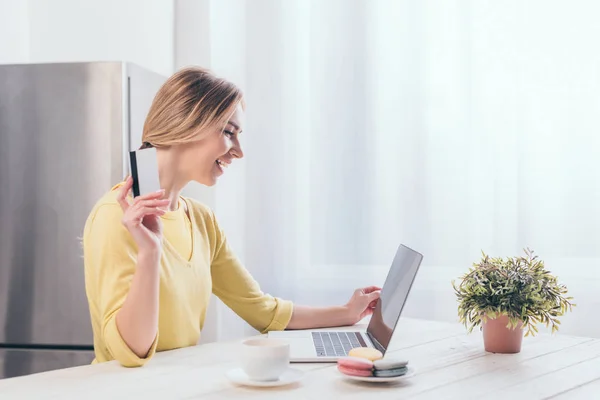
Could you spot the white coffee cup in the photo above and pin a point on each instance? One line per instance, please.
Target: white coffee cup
(265, 359)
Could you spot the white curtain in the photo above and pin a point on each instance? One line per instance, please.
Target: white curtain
(449, 126)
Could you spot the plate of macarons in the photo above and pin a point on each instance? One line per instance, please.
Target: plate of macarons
(368, 365)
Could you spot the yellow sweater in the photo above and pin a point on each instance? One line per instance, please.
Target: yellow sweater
(196, 261)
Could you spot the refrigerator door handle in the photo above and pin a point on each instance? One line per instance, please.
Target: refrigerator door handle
(126, 121)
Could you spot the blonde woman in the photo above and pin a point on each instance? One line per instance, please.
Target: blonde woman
(152, 263)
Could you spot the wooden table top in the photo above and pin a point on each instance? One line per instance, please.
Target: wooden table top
(448, 363)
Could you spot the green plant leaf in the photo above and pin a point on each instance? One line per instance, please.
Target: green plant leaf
(520, 287)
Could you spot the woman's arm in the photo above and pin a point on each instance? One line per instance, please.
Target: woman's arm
(234, 285)
(117, 274)
(137, 320)
(306, 317)
(361, 304)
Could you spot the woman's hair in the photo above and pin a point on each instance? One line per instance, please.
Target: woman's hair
(189, 102)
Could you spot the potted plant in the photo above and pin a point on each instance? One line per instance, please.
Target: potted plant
(507, 296)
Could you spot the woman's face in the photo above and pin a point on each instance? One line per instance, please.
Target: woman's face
(205, 160)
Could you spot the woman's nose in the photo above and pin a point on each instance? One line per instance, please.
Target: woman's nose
(237, 151)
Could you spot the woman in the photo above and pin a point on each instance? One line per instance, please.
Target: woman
(152, 263)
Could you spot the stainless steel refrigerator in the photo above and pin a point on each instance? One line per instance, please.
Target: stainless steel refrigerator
(65, 133)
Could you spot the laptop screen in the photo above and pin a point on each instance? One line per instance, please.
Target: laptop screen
(393, 296)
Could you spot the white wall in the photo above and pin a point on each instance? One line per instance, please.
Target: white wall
(192, 33)
(138, 31)
(192, 46)
(14, 32)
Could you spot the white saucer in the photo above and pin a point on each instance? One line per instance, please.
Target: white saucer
(376, 379)
(291, 375)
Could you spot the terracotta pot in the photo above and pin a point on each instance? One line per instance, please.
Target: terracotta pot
(497, 338)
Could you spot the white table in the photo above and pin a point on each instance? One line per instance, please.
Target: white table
(448, 363)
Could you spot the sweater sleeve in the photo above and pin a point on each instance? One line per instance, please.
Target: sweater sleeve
(111, 260)
(233, 284)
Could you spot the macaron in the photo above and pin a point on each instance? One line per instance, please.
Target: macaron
(355, 366)
(389, 363)
(390, 373)
(366, 353)
(390, 367)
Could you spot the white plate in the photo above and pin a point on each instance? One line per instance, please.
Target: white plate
(376, 379)
(290, 376)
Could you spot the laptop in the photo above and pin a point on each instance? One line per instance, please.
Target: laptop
(329, 345)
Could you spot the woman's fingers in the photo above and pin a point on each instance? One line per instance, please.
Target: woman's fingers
(136, 215)
(153, 203)
(126, 188)
(147, 207)
(122, 195)
(371, 289)
(149, 196)
(142, 212)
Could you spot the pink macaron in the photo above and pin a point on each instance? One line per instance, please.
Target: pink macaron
(355, 366)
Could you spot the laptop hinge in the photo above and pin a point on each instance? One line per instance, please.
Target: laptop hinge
(377, 345)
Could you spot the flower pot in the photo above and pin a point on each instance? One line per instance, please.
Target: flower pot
(497, 338)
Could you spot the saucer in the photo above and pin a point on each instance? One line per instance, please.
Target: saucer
(376, 379)
(291, 375)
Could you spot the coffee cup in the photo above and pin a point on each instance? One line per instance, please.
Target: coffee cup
(265, 359)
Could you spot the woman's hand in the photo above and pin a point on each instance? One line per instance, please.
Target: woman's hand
(142, 217)
(362, 303)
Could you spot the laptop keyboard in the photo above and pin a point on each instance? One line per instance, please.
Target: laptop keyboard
(336, 344)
